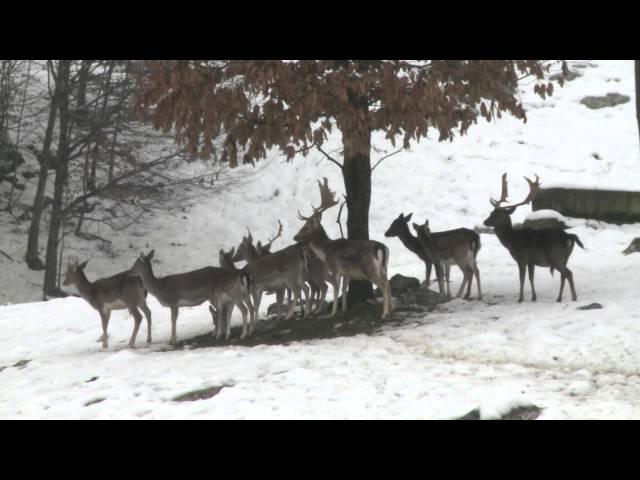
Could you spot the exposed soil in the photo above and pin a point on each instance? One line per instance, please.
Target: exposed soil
(363, 318)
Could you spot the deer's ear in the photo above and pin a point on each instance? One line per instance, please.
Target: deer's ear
(408, 217)
(150, 256)
(222, 251)
(82, 265)
(426, 222)
(232, 251)
(416, 227)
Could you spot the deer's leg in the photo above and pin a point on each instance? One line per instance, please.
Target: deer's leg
(307, 299)
(137, 318)
(476, 272)
(104, 316)
(345, 286)
(532, 268)
(521, 269)
(249, 305)
(174, 320)
(383, 285)
(228, 311)
(214, 318)
(464, 282)
(220, 318)
(257, 298)
(427, 264)
(292, 305)
(336, 291)
(243, 311)
(147, 314)
(279, 301)
(574, 296)
(322, 294)
(439, 275)
(447, 271)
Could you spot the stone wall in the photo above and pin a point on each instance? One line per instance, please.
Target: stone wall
(607, 205)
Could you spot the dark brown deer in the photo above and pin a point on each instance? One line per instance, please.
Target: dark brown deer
(118, 292)
(345, 259)
(530, 247)
(400, 228)
(459, 246)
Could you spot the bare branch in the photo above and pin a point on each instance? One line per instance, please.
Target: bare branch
(329, 157)
(387, 156)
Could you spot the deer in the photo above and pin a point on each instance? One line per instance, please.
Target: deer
(315, 273)
(220, 287)
(345, 259)
(459, 246)
(400, 228)
(118, 292)
(548, 247)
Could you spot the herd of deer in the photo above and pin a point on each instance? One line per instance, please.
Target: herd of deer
(315, 260)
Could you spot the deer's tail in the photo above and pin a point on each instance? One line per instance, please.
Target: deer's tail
(576, 239)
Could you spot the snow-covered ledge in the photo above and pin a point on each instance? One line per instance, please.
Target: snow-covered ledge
(612, 206)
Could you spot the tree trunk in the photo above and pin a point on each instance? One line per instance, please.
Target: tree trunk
(637, 65)
(50, 286)
(32, 258)
(356, 172)
(83, 78)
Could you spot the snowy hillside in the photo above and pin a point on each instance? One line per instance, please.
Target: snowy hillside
(493, 353)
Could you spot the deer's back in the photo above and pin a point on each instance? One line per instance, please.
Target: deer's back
(542, 246)
(189, 288)
(118, 290)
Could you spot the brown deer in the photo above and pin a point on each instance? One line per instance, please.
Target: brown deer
(220, 287)
(345, 259)
(315, 273)
(400, 228)
(530, 247)
(459, 246)
(118, 292)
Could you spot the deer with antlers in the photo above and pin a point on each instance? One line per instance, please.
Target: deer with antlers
(345, 259)
(530, 247)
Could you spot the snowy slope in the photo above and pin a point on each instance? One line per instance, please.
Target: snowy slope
(494, 353)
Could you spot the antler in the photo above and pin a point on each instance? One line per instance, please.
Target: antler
(534, 189)
(277, 234)
(249, 238)
(327, 200)
(503, 195)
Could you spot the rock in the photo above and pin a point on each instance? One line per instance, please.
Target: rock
(610, 100)
(200, 394)
(591, 306)
(400, 284)
(519, 413)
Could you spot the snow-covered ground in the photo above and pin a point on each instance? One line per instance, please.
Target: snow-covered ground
(492, 354)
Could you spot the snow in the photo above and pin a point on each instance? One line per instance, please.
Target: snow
(494, 354)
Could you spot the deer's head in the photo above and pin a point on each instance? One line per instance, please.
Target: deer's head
(226, 258)
(501, 215)
(74, 272)
(313, 224)
(142, 265)
(398, 226)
